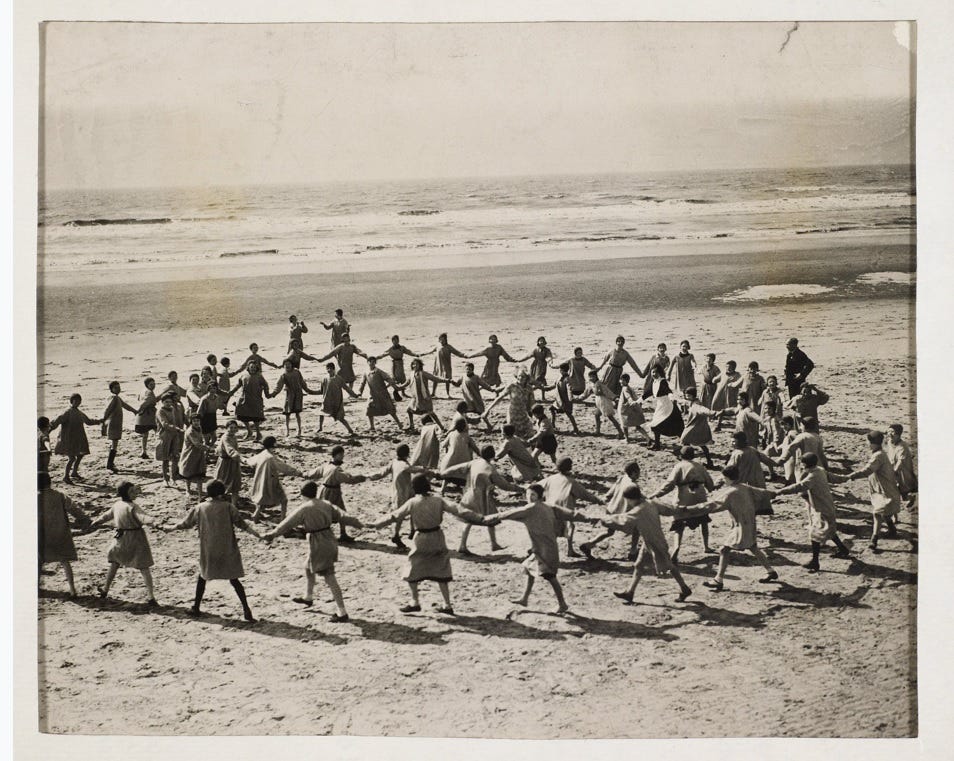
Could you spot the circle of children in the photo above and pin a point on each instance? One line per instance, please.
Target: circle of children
(769, 430)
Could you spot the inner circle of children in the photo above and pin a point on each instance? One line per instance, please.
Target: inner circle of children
(675, 399)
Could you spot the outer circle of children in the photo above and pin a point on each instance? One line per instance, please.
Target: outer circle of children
(188, 444)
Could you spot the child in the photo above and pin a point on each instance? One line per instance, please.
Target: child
(544, 558)
(683, 367)
(330, 477)
(615, 504)
(822, 524)
(457, 448)
(808, 440)
(195, 393)
(740, 501)
(542, 356)
(659, 360)
(544, 441)
(578, 367)
(146, 414)
(748, 461)
(345, 353)
(396, 351)
(192, 461)
(207, 411)
(642, 517)
(692, 482)
(130, 548)
(332, 390)
(250, 408)
(711, 375)
(429, 560)
(603, 403)
(170, 430)
(753, 384)
(629, 408)
(113, 423)
(173, 385)
(772, 404)
(615, 360)
(525, 466)
(254, 357)
(788, 438)
(219, 555)
(43, 451)
(807, 401)
(482, 477)
(899, 455)
(72, 440)
(339, 327)
(885, 495)
(667, 420)
(266, 489)
(727, 392)
(470, 385)
(494, 353)
(316, 517)
(296, 329)
(427, 451)
(421, 401)
(461, 414)
(223, 380)
(55, 540)
(697, 432)
(401, 473)
(380, 402)
(564, 403)
(444, 364)
(747, 421)
(228, 468)
(293, 383)
(564, 490)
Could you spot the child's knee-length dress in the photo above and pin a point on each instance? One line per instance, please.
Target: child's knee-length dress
(293, 385)
(822, 521)
(421, 400)
(396, 353)
(72, 440)
(630, 409)
(615, 362)
(380, 401)
(251, 403)
(429, 559)
(317, 518)
(146, 420)
(168, 442)
(518, 412)
(332, 400)
(266, 487)
(219, 555)
(885, 495)
(228, 469)
(55, 538)
(666, 420)
(684, 376)
(697, 432)
(192, 461)
(727, 394)
(709, 384)
(899, 455)
(113, 419)
(130, 548)
(643, 520)
(538, 368)
(491, 371)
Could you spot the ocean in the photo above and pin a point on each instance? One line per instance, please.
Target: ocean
(89, 229)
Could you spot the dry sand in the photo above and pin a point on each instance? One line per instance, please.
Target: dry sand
(831, 654)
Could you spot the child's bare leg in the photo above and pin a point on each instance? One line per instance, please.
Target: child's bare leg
(445, 592)
(462, 549)
(309, 588)
(410, 420)
(147, 577)
(110, 575)
(321, 422)
(705, 451)
(876, 530)
(396, 421)
(69, 469)
(371, 423)
(347, 427)
(618, 428)
(760, 555)
(683, 587)
(677, 545)
(573, 422)
(597, 417)
(723, 564)
(68, 570)
(570, 530)
(637, 575)
(562, 607)
(332, 583)
(284, 507)
(493, 538)
(145, 443)
(76, 464)
(526, 590)
(415, 600)
(705, 537)
(165, 471)
(298, 423)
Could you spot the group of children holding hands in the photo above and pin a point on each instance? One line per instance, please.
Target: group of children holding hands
(764, 435)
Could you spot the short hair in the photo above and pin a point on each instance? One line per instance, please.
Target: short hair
(788, 420)
(148, 381)
(691, 392)
(123, 491)
(211, 359)
(620, 338)
(194, 377)
(252, 346)
(743, 397)
(896, 427)
(565, 464)
(875, 437)
(740, 439)
(487, 452)
(330, 366)
(43, 481)
(593, 374)
(395, 338)
(711, 356)
(631, 469)
(442, 335)
(633, 492)
(225, 361)
(469, 364)
(509, 430)
(731, 363)
(731, 472)
(810, 459)
(420, 484)
(340, 312)
(215, 489)
(578, 348)
(336, 450)
(684, 341)
(402, 451)
(537, 409)
(462, 406)
(564, 367)
(661, 346)
(687, 453)
(310, 490)
(771, 377)
(171, 373)
(268, 442)
(75, 398)
(536, 489)
(113, 384)
(810, 422)
(624, 377)
(753, 365)
(460, 425)
(42, 421)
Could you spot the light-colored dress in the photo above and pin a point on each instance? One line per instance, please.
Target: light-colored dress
(339, 329)
(457, 448)
(429, 559)
(130, 548)
(146, 420)
(629, 409)
(813, 483)
(525, 468)
(742, 504)
(53, 524)
(470, 389)
(727, 393)
(518, 412)
(317, 518)
(643, 519)
(749, 462)
(380, 401)
(400, 472)
(295, 387)
(615, 501)
(482, 477)
(72, 440)
(748, 422)
(697, 432)
(168, 437)
(330, 477)
(563, 490)
(192, 461)
(421, 400)
(603, 398)
(899, 455)
(219, 555)
(491, 371)
(251, 403)
(683, 374)
(332, 397)
(228, 469)
(885, 495)
(540, 520)
(266, 487)
(806, 442)
(427, 451)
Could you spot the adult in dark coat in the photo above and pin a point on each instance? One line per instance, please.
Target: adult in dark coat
(797, 367)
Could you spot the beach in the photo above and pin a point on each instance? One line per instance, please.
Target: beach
(828, 655)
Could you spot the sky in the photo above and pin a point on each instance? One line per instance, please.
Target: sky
(134, 105)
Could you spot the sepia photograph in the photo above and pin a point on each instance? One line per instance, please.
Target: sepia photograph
(526, 381)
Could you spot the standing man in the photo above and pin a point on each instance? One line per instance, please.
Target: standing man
(339, 327)
(797, 367)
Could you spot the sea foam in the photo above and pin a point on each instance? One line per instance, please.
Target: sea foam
(784, 291)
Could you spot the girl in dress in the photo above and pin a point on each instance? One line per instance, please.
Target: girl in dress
(72, 440)
(727, 392)
(379, 400)
(429, 560)
(333, 388)
(603, 405)
(457, 447)
(170, 430)
(192, 461)
(615, 504)
(520, 394)
(772, 404)
(421, 402)
(397, 351)
(543, 561)
(43, 451)
(692, 483)
(146, 414)
(228, 468)
(697, 432)
(331, 477)
(255, 357)
(614, 361)
(564, 402)
(542, 356)
(883, 484)
(661, 360)
(292, 381)
(579, 366)
(747, 421)
(748, 461)
(427, 450)
(494, 353)
(195, 392)
(219, 555)
(544, 441)
(711, 375)
(316, 518)
(788, 437)
(295, 331)
(470, 385)
(444, 365)
(345, 352)
(629, 408)
(683, 367)
(223, 381)
(753, 384)
(901, 459)
(339, 328)
(564, 490)
(400, 472)
(266, 488)
(250, 408)
(208, 412)
(525, 467)
(666, 420)
(130, 548)
(113, 423)
(55, 540)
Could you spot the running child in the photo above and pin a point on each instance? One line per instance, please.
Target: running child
(331, 477)
(564, 403)
(697, 432)
(333, 388)
(564, 490)
(683, 367)
(295, 387)
(901, 459)
(55, 539)
(692, 483)
(470, 385)
(603, 403)
(629, 409)
(544, 441)
(266, 489)
(615, 504)
(883, 485)
(400, 471)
